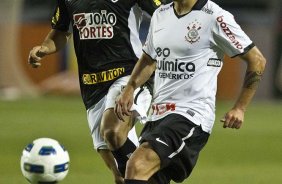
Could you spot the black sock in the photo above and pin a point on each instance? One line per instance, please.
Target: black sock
(122, 155)
(128, 181)
(160, 177)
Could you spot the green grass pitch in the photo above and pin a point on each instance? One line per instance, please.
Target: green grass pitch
(251, 155)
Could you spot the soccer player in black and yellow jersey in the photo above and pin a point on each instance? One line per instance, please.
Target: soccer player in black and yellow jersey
(107, 46)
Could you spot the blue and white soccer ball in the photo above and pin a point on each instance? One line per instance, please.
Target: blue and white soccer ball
(44, 161)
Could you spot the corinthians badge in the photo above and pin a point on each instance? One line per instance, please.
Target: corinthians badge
(193, 34)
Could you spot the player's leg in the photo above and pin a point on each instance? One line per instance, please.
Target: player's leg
(94, 115)
(176, 141)
(110, 162)
(143, 163)
(115, 131)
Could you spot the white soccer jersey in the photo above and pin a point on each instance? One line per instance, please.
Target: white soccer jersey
(189, 50)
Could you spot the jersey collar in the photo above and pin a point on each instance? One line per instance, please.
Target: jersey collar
(197, 6)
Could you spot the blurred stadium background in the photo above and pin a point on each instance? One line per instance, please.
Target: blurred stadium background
(46, 102)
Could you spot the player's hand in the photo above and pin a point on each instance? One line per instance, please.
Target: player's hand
(36, 54)
(233, 119)
(124, 102)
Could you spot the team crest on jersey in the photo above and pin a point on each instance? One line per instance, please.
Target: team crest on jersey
(95, 25)
(193, 32)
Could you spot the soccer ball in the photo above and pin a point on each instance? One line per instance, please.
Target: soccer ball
(44, 161)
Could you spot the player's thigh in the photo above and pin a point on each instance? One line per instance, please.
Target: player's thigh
(110, 122)
(94, 116)
(143, 163)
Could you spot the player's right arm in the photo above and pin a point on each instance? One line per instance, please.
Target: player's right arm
(54, 41)
(56, 38)
(142, 71)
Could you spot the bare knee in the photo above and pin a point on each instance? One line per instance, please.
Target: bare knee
(136, 167)
(112, 138)
(113, 131)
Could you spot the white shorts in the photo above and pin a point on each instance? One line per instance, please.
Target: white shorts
(94, 114)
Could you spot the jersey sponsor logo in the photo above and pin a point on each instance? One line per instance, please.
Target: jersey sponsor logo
(175, 76)
(159, 109)
(193, 32)
(95, 25)
(214, 62)
(104, 76)
(173, 69)
(228, 32)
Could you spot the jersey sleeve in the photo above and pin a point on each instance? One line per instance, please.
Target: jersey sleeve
(150, 6)
(229, 36)
(148, 47)
(60, 19)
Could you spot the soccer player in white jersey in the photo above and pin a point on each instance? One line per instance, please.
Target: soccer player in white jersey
(185, 47)
(100, 29)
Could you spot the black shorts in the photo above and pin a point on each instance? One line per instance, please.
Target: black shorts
(177, 141)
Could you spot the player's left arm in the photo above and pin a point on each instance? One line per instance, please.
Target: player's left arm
(255, 68)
